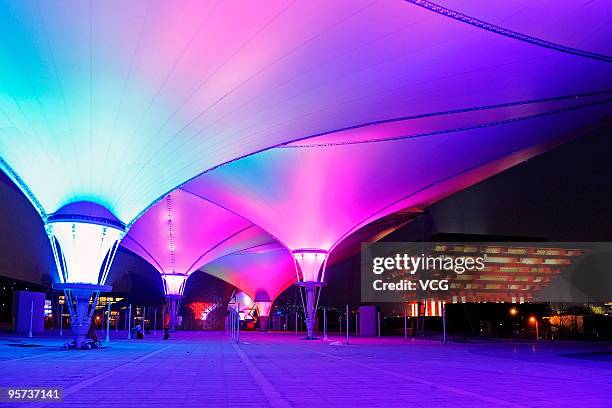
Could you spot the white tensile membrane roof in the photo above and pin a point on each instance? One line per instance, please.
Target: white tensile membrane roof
(312, 194)
(261, 272)
(182, 232)
(117, 103)
(114, 104)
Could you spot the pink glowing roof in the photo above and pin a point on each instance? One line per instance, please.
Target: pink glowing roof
(314, 193)
(267, 270)
(118, 102)
(183, 232)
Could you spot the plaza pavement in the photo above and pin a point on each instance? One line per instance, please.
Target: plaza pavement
(205, 369)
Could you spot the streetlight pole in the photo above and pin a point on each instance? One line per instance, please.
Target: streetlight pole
(130, 323)
(107, 340)
(444, 323)
(534, 321)
(405, 324)
(238, 328)
(154, 319)
(61, 319)
(324, 324)
(347, 324)
(31, 318)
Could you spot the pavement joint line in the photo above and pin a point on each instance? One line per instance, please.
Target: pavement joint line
(31, 357)
(491, 400)
(273, 396)
(92, 380)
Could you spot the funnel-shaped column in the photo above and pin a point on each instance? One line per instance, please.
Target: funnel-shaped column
(310, 271)
(174, 285)
(84, 245)
(263, 304)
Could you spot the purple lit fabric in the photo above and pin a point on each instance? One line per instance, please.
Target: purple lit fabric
(311, 195)
(183, 232)
(268, 269)
(119, 102)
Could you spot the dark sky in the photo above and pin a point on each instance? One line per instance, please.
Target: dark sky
(562, 195)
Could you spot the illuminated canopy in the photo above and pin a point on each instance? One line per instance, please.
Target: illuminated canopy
(182, 232)
(312, 194)
(119, 102)
(259, 272)
(84, 238)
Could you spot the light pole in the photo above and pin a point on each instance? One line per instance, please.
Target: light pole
(513, 313)
(347, 324)
(61, 333)
(324, 324)
(31, 318)
(443, 323)
(534, 321)
(108, 303)
(405, 324)
(155, 320)
(129, 333)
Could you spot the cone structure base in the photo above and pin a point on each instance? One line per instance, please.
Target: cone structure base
(263, 323)
(310, 311)
(173, 305)
(78, 296)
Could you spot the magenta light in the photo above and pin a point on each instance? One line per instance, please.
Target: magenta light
(183, 232)
(313, 195)
(310, 265)
(174, 283)
(262, 273)
(119, 102)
